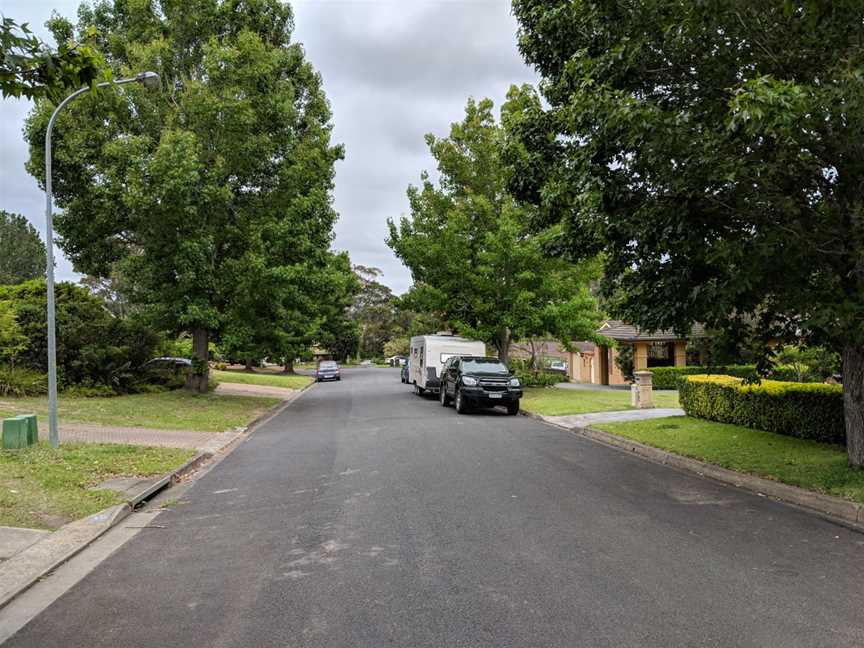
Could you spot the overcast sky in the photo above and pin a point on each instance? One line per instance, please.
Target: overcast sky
(393, 71)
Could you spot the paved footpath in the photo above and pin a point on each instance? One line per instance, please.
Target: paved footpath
(364, 516)
(585, 420)
(87, 433)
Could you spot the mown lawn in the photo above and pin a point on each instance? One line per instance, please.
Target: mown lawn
(815, 466)
(43, 488)
(269, 379)
(552, 401)
(174, 410)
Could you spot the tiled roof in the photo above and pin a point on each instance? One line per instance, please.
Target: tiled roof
(618, 330)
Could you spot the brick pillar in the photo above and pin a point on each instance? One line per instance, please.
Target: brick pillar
(640, 356)
(680, 353)
(641, 391)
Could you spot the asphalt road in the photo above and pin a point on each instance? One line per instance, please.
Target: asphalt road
(364, 516)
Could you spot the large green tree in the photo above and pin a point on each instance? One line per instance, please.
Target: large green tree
(470, 252)
(22, 252)
(218, 187)
(375, 311)
(714, 152)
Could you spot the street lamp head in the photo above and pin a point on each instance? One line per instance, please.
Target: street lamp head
(149, 80)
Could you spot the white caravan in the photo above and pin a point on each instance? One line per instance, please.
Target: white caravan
(428, 354)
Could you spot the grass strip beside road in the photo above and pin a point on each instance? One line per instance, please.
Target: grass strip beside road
(553, 401)
(174, 410)
(288, 381)
(815, 466)
(43, 488)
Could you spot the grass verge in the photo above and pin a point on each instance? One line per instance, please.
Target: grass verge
(819, 467)
(268, 379)
(174, 410)
(43, 488)
(553, 401)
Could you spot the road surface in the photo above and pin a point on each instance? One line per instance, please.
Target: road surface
(365, 516)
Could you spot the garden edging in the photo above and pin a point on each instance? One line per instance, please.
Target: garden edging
(833, 508)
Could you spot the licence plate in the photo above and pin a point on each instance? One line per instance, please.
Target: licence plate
(494, 395)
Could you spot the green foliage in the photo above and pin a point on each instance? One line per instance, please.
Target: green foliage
(625, 360)
(93, 347)
(808, 364)
(671, 377)
(807, 411)
(713, 152)
(19, 381)
(396, 346)
(30, 69)
(212, 199)
(22, 253)
(12, 339)
(376, 313)
(471, 255)
(532, 376)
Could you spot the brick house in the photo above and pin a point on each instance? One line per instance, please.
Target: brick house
(595, 363)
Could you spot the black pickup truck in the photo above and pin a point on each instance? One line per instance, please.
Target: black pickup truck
(473, 381)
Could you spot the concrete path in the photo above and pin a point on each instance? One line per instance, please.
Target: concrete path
(363, 516)
(13, 540)
(89, 433)
(586, 420)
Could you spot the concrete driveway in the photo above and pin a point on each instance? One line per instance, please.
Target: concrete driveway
(367, 516)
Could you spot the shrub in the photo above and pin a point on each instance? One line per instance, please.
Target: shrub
(99, 391)
(94, 348)
(803, 410)
(22, 382)
(670, 377)
(539, 378)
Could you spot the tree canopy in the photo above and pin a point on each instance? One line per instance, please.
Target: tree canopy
(22, 252)
(471, 255)
(29, 68)
(212, 197)
(713, 152)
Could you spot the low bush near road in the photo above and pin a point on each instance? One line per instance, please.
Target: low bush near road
(22, 382)
(804, 410)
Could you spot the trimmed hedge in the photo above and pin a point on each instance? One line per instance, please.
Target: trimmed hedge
(804, 410)
(671, 377)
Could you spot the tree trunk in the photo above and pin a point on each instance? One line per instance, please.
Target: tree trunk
(197, 379)
(249, 366)
(503, 345)
(853, 403)
(289, 366)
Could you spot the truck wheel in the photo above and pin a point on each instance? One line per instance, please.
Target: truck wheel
(445, 400)
(461, 403)
(513, 408)
(418, 390)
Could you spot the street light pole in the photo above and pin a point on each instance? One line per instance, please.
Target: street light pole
(149, 80)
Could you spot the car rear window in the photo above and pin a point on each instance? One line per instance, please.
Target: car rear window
(327, 365)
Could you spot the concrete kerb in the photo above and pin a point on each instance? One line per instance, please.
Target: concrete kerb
(24, 569)
(837, 510)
